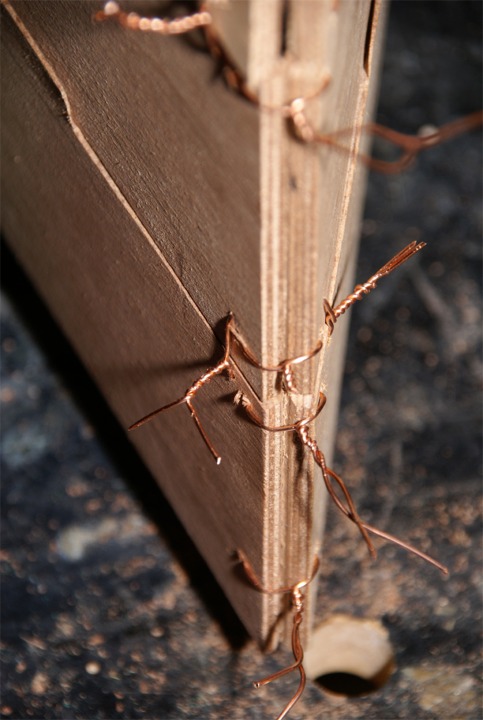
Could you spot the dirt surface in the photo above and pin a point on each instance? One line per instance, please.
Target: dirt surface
(109, 612)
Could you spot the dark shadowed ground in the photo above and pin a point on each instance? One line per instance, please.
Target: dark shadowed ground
(108, 611)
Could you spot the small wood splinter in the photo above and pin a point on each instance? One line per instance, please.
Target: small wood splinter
(297, 598)
(285, 368)
(333, 313)
(300, 428)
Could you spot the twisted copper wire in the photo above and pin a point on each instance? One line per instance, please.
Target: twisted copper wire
(232, 334)
(297, 599)
(333, 313)
(295, 112)
(411, 145)
(300, 428)
(226, 363)
(351, 513)
(163, 26)
(187, 398)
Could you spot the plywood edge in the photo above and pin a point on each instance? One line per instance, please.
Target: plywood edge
(311, 202)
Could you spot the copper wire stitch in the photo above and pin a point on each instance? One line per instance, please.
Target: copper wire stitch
(285, 368)
(300, 428)
(297, 599)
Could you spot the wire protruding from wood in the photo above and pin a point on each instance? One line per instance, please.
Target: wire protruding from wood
(295, 111)
(333, 313)
(163, 26)
(232, 335)
(301, 430)
(225, 364)
(297, 599)
(410, 145)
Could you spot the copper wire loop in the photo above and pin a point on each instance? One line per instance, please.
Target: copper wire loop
(297, 600)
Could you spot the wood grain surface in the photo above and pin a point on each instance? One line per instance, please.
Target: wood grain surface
(146, 201)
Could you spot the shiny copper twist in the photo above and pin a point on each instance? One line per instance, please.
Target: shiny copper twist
(297, 599)
(333, 313)
(163, 26)
(232, 334)
(300, 428)
(225, 363)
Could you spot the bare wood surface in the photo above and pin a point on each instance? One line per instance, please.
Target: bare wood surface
(94, 256)
(140, 225)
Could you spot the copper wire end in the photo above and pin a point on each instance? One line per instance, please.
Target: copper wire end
(186, 400)
(333, 313)
(297, 598)
(224, 364)
(410, 145)
(410, 548)
(162, 26)
(348, 509)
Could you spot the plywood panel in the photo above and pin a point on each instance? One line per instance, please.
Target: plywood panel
(147, 200)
